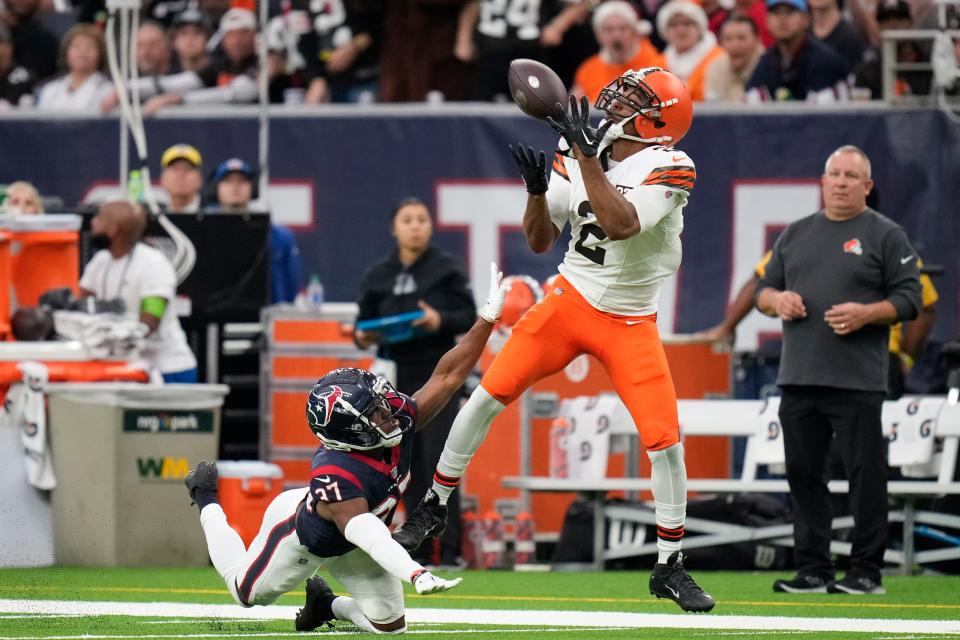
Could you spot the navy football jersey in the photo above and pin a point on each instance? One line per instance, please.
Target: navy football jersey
(338, 476)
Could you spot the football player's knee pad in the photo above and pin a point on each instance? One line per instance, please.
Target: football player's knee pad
(502, 385)
(659, 439)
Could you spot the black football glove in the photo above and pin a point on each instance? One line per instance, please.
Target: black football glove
(532, 170)
(575, 127)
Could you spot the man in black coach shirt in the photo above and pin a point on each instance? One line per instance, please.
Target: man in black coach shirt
(838, 279)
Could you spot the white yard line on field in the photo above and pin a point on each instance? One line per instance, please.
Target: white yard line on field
(502, 617)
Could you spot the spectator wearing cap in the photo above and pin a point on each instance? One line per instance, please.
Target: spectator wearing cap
(727, 76)
(797, 66)
(624, 45)
(191, 32)
(755, 10)
(16, 81)
(233, 186)
(83, 85)
(828, 25)
(234, 183)
(341, 52)
(34, 48)
(691, 46)
(180, 177)
(231, 78)
(154, 55)
(894, 15)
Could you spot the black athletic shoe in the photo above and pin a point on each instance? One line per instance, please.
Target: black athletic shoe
(856, 585)
(428, 520)
(672, 581)
(202, 481)
(802, 583)
(319, 606)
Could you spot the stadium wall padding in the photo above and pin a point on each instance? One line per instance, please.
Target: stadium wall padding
(360, 165)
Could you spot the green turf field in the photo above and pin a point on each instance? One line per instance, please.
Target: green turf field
(74, 603)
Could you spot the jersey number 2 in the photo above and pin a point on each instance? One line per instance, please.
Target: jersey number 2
(593, 254)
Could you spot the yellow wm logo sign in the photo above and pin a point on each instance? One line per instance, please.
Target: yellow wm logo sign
(165, 468)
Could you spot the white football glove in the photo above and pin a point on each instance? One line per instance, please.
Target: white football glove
(426, 582)
(495, 296)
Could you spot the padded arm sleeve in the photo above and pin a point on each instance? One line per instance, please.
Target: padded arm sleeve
(369, 533)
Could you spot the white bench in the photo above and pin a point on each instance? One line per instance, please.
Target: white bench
(923, 431)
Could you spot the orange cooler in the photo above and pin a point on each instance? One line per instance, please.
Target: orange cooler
(44, 254)
(246, 489)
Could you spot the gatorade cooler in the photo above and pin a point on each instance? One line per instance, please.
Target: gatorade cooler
(45, 254)
(245, 491)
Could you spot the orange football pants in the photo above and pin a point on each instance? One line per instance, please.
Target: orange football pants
(562, 326)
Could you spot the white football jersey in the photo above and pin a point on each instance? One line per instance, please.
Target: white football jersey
(624, 276)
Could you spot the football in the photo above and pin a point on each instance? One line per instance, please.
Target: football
(535, 88)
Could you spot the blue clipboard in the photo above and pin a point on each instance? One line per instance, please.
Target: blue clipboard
(393, 329)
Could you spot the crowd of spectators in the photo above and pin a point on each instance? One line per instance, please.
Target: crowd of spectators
(53, 53)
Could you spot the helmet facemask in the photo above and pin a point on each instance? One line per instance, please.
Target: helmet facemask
(381, 415)
(357, 415)
(630, 91)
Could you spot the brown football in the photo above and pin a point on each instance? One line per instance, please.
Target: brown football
(536, 88)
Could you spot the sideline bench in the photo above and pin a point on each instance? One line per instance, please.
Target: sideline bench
(924, 432)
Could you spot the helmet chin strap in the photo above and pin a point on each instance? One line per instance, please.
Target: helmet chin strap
(615, 131)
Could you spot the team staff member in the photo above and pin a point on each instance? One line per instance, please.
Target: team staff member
(144, 279)
(905, 345)
(623, 193)
(838, 279)
(416, 276)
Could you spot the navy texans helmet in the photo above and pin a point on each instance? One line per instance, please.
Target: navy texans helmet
(342, 410)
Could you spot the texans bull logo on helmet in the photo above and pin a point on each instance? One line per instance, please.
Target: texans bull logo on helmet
(325, 401)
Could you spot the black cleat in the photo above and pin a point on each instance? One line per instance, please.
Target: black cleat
(319, 606)
(672, 581)
(856, 585)
(428, 520)
(801, 583)
(202, 480)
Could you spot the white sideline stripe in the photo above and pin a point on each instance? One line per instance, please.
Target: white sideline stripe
(600, 619)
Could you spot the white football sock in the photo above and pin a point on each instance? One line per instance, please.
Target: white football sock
(346, 608)
(668, 476)
(468, 432)
(226, 548)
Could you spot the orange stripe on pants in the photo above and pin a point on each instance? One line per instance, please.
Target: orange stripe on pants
(562, 326)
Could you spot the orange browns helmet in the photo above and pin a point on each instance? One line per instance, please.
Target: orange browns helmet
(661, 105)
(524, 293)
